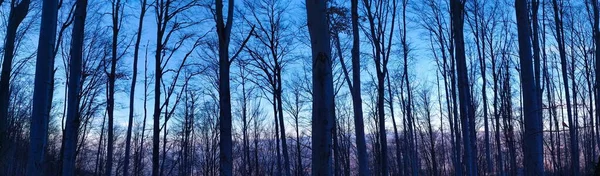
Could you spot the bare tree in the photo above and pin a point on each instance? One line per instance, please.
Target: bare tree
(379, 13)
(38, 129)
(18, 12)
(559, 32)
(117, 18)
(224, 35)
(355, 84)
(322, 92)
(273, 43)
(73, 121)
(136, 54)
(533, 149)
(466, 109)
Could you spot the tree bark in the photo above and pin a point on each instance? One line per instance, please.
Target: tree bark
(110, 101)
(363, 165)
(72, 122)
(323, 97)
(18, 12)
(43, 86)
(225, 145)
(465, 102)
(136, 53)
(574, 143)
(533, 140)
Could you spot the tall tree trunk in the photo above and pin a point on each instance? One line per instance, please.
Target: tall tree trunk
(111, 86)
(597, 70)
(18, 11)
(466, 109)
(156, 113)
(533, 140)
(574, 143)
(323, 95)
(278, 94)
(363, 165)
(225, 144)
(136, 54)
(393, 117)
(43, 86)
(72, 123)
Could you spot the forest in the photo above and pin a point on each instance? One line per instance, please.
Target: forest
(293, 88)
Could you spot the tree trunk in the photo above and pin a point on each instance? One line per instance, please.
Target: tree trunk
(533, 140)
(597, 71)
(363, 163)
(574, 144)
(225, 144)
(43, 86)
(72, 122)
(323, 97)
(136, 53)
(111, 86)
(466, 109)
(17, 13)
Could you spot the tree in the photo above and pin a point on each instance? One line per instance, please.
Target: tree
(356, 95)
(381, 38)
(224, 35)
(322, 91)
(18, 12)
(596, 23)
(42, 102)
(117, 17)
(169, 20)
(73, 121)
(559, 32)
(466, 107)
(533, 139)
(136, 54)
(354, 87)
(274, 42)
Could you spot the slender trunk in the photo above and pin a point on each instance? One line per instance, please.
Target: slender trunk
(17, 13)
(574, 144)
(43, 89)
(225, 144)
(597, 71)
(98, 165)
(277, 142)
(323, 97)
(72, 123)
(136, 52)
(156, 114)
(466, 109)
(533, 139)
(138, 162)
(396, 136)
(363, 168)
(246, 168)
(286, 156)
(111, 87)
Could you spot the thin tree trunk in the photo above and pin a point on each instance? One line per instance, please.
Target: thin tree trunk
(574, 144)
(225, 144)
(286, 156)
(18, 11)
(111, 86)
(136, 53)
(72, 123)
(363, 168)
(597, 71)
(533, 140)
(466, 109)
(43, 89)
